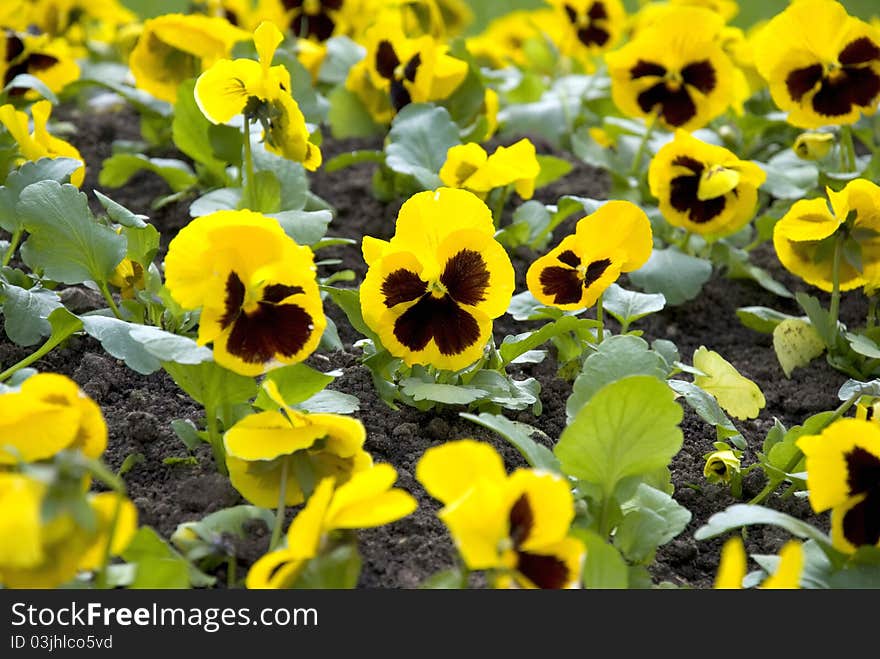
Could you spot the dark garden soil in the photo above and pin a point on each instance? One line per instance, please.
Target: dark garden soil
(139, 409)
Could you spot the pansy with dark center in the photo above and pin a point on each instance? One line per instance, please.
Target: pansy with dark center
(826, 74)
(313, 18)
(36, 55)
(616, 238)
(843, 474)
(702, 187)
(389, 67)
(257, 311)
(591, 26)
(432, 291)
(524, 518)
(675, 69)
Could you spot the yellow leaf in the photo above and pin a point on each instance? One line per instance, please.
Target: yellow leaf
(796, 343)
(739, 396)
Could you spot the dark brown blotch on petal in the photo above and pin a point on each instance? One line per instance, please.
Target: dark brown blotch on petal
(521, 520)
(595, 270)
(544, 571)
(234, 299)
(593, 35)
(852, 87)
(569, 258)
(860, 51)
(466, 277)
(332, 4)
(644, 69)
(597, 11)
(386, 60)
(676, 105)
(453, 329)
(862, 471)
(861, 523)
(412, 67)
(700, 75)
(691, 163)
(683, 198)
(320, 26)
(564, 284)
(14, 46)
(272, 329)
(400, 96)
(402, 286)
(276, 293)
(802, 81)
(571, 12)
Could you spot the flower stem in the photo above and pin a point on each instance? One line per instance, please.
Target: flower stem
(247, 183)
(847, 149)
(109, 298)
(600, 318)
(834, 309)
(13, 245)
(42, 351)
(279, 513)
(640, 152)
(215, 440)
(500, 202)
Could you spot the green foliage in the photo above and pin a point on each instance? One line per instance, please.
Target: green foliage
(678, 276)
(420, 136)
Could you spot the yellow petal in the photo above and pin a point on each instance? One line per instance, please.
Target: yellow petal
(478, 524)
(368, 500)
(222, 91)
(807, 220)
(277, 569)
(259, 481)
(306, 529)
(267, 38)
(550, 501)
(20, 524)
(732, 566)
(268, 435)
(450, 470)
(788, 572)
(104, 505)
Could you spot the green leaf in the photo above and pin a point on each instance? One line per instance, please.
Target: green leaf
(192, 131)
(118, 169)
(604, 567)
(159, 565)
(515, 346)
(742, 514)
(552, 169)
(529, 220)
(206, 537)
(796, 343)
(519, 435)
(130, 462)
(291, 177)
(789, 177)
(629, 306)
(449, 394)
(348, 299)
(704, 404)
(114, 336)
(295, 383)
(761, 319)
(337, 569)
(863, 345)
(820, 319)
(187, 433)
(350, 158)
(616, 358)
(651, 519)
(264, 193)
(66, 242)
(44, 169)
(27, 81)
(25, 312)
(142, 244)
(342, 54)
(168, 347)
(211, 385)
(678, 276)
(120, 214)
(216, 200)
(451, 579)
(420, 136)
(738, 395)
(628, 428)
(852, 388)
(305, 227)
(348, 117)
(330, 402)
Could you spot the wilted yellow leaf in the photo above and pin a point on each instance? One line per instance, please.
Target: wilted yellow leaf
(796, 344)
(739, 396)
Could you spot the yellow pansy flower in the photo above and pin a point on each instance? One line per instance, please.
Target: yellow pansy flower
(65, 548)
(616, 238)
(47, 414)
(271, 450)
(38, 143)
(732, 567)
(822, 64)
(176, 47)
(804, 238)
(704, 188)
(843, 475)
(261, 92)
(720, 466)
(47, 59)
(411, 70)
(256, 288)
(813, 145)
(675, 69)
(516, 525)
(366, 500)
(432, 291)
(508, 39)
(592, 26)
(468, 166)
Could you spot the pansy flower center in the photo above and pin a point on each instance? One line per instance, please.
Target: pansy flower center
(672, 95)
(833, 88)
(545, 571)
(861, 522)
(688, 193)
(568, 282)
(313, 18)
(591, 26)
(390, 67)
